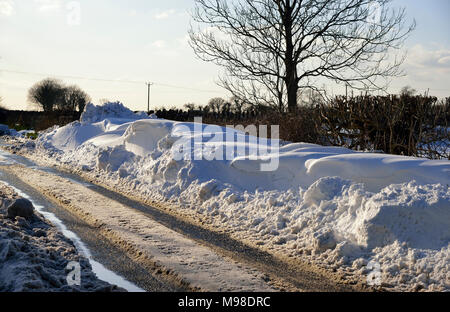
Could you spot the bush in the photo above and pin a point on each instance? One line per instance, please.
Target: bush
(402, 125)
(21, 120)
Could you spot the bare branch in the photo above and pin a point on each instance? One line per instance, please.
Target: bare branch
(270, 49)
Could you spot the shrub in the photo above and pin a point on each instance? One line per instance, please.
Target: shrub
(402, 125)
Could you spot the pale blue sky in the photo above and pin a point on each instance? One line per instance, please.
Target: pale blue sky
(146, 40)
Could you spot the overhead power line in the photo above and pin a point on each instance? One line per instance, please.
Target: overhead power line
(70, 77)
(142, 82)
(108, 80)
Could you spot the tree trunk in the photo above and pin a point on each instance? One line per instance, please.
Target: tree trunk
(291, 79)
(292, 89)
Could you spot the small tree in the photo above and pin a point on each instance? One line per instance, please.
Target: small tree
(74, 99)
(189, 106)
(46, 94)
(408, 91)
(216, 104)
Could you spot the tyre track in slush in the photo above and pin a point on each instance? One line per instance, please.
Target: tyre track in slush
(164, 252)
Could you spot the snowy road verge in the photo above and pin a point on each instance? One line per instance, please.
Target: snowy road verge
(145, 240)
(35, 256)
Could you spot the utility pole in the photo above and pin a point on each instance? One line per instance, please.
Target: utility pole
(149, 85)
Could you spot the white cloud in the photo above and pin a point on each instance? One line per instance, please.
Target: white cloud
(48, 5)
(164, 14)
(419, 56)
(445, 61)
(427, 67)
(6, 7)
(160, 44)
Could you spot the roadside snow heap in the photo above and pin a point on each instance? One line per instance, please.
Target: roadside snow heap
(379, 216)
(4, 130)
(34, 255)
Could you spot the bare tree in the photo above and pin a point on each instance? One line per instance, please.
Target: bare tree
(217, 104)
(237, 105)
(407, 91)
(189, 106)
(74, 99)
(47, 94)
(271, 49)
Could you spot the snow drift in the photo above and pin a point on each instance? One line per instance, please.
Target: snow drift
(345, 207)
(5, 130)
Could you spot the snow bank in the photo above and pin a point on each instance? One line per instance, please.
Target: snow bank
(418, 215)
(93, 113)
(4, 130)
(343, 206)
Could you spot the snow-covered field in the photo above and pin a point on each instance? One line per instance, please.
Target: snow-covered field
(378, 216)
